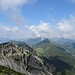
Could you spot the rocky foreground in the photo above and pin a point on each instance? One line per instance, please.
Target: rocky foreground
(26, 61)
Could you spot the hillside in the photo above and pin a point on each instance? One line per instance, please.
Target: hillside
(26, 61)
(70, 48)
(63, 40)
(8, 71)
(56, 53)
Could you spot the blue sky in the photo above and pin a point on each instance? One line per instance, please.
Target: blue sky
(37, 18)
(45, 10)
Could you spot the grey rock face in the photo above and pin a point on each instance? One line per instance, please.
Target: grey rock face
(24, 61)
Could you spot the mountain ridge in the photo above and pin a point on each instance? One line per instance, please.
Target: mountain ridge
(58, 55)
(24, 61)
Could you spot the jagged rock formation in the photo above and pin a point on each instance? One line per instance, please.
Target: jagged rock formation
(25, 61)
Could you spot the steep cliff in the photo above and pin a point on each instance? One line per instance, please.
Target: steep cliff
(25, 61)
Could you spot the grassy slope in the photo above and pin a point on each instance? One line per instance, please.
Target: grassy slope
(8, 71)
(57, 56)
(70, 48)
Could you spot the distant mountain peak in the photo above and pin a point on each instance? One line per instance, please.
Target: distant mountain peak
(46, 40)
(43, 41)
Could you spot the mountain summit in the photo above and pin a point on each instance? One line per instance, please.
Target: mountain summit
(25, 61)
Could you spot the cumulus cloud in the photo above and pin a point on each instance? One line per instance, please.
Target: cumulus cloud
(43, 30)
(11, 8)
(15, 32)
(65, 28)
(8, 32)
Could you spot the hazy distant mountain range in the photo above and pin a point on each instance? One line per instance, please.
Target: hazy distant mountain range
(38, 56)
(38, 39)
(2, 40)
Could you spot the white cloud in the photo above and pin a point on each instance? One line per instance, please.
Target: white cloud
(15, 32)
(43, 30)
(10, 4)
(3, 28)
(8, 32)
(72, 1)
(12, 9)
(65, 28)
(6, 29)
